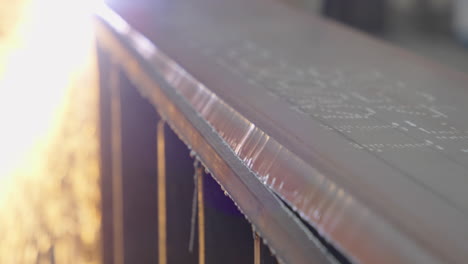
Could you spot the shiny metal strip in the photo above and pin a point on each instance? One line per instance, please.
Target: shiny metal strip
(162, 210)
(324, 204)
(257, 248)
(201, 215)
(272, 220)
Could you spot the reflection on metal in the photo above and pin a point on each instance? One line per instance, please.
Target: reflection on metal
(162, 217)
(257, 248)
(275, 223)
(399, 186)
(304, 188)
(326, 187)
(201, 214)
(117, 187)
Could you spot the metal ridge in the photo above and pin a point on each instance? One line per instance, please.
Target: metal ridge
(356, 230)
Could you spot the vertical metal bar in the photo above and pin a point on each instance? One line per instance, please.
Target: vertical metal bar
(193, 218)
(257, 248)
(117, 185)
(162, 217)
(201, 216)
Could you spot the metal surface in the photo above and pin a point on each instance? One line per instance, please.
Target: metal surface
(355, 136)
(270, 217)
(257, 248)
(162, 210)
(117, 185)
(201, 215)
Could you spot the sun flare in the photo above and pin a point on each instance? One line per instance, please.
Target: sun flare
(49, 170)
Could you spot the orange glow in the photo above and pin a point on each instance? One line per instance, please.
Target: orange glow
(49, 172)
(53, 38)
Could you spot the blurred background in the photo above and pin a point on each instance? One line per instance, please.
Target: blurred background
(437, 29)
(49, 155)
(49, 166)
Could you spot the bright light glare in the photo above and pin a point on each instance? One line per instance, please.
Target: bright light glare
(51, 42)
(49, 165)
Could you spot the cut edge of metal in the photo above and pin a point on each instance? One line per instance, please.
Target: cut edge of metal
(343, 221)
(184, 134)
(208, 164)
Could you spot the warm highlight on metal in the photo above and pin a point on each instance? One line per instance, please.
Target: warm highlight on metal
(257, 248)
(117, 187)
(162, 210)
(275, 110)
(201, 216)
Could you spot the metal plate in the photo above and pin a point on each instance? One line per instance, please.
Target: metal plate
(358, 137)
